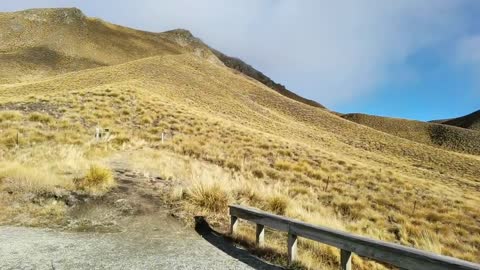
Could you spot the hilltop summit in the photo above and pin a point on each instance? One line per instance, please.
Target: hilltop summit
(51, 41)
(57, 15)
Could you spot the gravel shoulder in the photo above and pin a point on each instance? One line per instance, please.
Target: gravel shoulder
(128, 228)
(168, 246)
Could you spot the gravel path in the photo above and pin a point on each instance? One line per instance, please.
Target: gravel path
(126, 229)
(169, 247)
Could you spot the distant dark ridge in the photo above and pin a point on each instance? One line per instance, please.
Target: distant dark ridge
(434, 134)
(248, 70)
(470, 121)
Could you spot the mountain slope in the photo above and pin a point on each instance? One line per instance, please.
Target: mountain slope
(444, 136)
(470, 121)
(83, 42)
(184, 37)
(44, 42)
(248, 70)
(237, 141)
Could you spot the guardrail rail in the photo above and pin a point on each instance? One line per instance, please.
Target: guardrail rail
(381, 251)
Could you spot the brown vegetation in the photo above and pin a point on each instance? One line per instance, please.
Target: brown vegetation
(470, 121)
(228, 139)
(444, 136)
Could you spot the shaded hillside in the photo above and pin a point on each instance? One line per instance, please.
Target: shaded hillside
(470, 121)
(27, 64)
(229, 139)
(447, 137)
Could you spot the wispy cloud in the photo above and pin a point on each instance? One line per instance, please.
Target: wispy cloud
(468, 55)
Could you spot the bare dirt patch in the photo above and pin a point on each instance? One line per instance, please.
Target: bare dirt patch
(30, 107)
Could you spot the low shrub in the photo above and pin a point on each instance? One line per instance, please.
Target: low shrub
(10, 116)
(210, 197)
(40, 117)
(97, 180)
(277, 204)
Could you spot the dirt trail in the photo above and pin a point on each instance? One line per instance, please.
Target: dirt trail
(126, 229)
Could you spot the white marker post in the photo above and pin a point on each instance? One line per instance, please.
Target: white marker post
(97, 133)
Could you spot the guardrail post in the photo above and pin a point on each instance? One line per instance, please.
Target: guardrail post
(292, 248)
(233, 224)
(260, 235)
(345, 260)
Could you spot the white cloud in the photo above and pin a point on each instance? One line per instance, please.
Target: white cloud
(331, 51)
(468, 55)
(468, 51)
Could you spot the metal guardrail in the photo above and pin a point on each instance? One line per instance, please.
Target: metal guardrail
(390, 253)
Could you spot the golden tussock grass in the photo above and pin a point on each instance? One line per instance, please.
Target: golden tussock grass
(229, 139)
(448, 137)
(97, 180)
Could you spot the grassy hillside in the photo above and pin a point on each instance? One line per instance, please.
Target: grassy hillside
(470, 121)
(43, 42)
(229, 139)
(184, 37)
(435, 134)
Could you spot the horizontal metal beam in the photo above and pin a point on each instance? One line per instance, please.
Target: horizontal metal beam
(394, 254)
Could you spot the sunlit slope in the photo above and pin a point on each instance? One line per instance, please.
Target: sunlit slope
(38, 43)
(444, 136)
(189, 80)
(230, 120)
(63, 74)
(43, 42)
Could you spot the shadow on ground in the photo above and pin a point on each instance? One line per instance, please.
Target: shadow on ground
(228, 246)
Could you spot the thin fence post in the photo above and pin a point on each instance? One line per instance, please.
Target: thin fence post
(162, 137)
(292, 248)
(345, 260)
(97, 133)
(260, 235)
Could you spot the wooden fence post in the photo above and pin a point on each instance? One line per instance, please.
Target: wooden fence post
(292, 248)
(345, 260)
(233, 224)
(260, 235)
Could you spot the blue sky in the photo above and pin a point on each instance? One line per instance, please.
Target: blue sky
(410, 59)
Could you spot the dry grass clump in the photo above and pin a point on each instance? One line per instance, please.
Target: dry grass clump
(40, 117)
(10, 116)
(32, 178)
(9, 138)
(430, 241)
(211, 197)
(277, 204)
(17, 177)
(97, 180)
